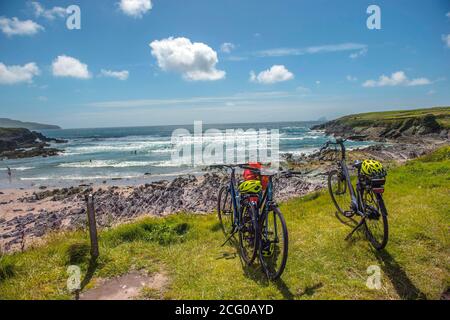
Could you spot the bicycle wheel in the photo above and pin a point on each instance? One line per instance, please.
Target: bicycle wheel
(225, 210)
(376, 223)
(338, 189)
(273, 244)
(248, 235)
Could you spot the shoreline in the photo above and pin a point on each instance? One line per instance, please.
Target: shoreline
(27, 215)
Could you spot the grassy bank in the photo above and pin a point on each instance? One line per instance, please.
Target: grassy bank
(386, 118)
(321, 264)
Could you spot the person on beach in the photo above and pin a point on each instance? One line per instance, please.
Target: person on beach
(9, 173)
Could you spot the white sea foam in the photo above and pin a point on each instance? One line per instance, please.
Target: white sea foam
(17, 168)
(106, 164)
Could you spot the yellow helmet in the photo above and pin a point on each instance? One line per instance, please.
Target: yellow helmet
(250, 186)
(372, 168)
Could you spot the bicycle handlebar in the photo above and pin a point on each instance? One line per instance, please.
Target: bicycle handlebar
(255, 170)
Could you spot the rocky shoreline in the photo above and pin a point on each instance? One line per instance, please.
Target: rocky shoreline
(29, 215)
(22, 143)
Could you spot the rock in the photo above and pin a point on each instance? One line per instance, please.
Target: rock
(22, 143)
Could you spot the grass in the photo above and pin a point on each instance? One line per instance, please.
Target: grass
(321, 264)
(397, 117)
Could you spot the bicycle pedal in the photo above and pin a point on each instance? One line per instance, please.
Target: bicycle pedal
(348, 214)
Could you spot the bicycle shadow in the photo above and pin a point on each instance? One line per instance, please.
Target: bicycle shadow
(404, 287)
(255, 273)
(351, 223)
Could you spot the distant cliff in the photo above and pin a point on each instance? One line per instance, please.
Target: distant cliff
(23, 143)
(9, 123)
(392, 125)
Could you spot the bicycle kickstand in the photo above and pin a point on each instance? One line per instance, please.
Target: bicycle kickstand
(229, 237)
(356, 228)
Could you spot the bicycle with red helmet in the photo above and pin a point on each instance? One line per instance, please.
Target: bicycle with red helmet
(251, 210)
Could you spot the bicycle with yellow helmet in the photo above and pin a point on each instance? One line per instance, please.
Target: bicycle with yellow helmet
(365, 199)
(253, 213)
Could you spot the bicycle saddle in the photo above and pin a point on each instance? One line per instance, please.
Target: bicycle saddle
(357, 164)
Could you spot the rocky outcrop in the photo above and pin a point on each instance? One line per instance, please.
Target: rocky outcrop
(382, 130)
(21, 143)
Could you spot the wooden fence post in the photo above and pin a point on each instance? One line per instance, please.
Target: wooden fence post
(92, 226)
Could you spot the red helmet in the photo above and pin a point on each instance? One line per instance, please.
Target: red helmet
(250, 175)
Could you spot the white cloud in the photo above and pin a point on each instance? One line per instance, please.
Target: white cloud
(317, 82)
(398, 78)
(277, 73)
(448, 15)
(446, 39)
(18, 74)
(135, 8)
(42, 98)
(14, 26)
(359, 53)
(121, 75)
(351, 78)
(280, 52)
(227, 47)
(237, 98)
(50, 14)
(195, 61)
(65, 66)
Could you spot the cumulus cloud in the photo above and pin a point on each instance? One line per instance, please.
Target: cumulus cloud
(18, 74)
(135, 8)
(398, 78)
(14, 26)
(227, 47)
(121, 75)
(351, 78)
(65, 66)
(446, 39)
(50, 14)
(277, 73)
(194, 60)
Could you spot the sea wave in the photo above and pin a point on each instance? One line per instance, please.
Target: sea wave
(18, 168)
(106, 164)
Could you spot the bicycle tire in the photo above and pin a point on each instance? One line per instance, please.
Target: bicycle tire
(369, 231)
(342, 188)
(225, 210)
(271, 273)
(248, 233)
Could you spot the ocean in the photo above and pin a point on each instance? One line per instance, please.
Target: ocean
(135, 154)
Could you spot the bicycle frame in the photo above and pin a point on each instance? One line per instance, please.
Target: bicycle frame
(356, 201)
(234, 198)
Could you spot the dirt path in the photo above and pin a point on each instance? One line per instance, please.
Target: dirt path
(130, 286)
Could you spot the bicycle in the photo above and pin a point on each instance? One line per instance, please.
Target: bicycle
(263, 229)
(364, 200)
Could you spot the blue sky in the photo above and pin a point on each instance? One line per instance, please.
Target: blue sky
(173, 62)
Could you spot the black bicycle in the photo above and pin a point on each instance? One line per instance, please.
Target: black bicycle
(365, 200)
(238, 214)
(261, 226)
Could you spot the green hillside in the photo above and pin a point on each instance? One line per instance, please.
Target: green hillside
(9, 123)
(442, 115)
(321, 264)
